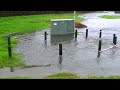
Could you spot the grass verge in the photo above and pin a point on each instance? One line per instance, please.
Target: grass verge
(65, 75)
(110, 17)
(16, 77)
(104, 77)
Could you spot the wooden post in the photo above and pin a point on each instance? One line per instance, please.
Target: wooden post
(9, 48)
(60, 49)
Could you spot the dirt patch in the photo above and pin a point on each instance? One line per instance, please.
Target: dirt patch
(31, 66)
(80, 25)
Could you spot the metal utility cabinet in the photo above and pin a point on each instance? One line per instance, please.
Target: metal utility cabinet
(62, 26)
(117, 12)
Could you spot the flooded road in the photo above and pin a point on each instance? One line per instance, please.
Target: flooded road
(78, 56)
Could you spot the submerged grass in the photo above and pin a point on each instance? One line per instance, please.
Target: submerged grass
(23, 24)
(31, 66)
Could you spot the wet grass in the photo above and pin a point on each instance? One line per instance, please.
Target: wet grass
(23, 24)
(110, 17)
(4, 59)
(16, 77)
(104, 77)
(63, 75)
(14, 62)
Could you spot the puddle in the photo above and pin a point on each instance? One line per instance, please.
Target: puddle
(79, 56)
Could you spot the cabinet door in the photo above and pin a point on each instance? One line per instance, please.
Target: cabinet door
(70, 27)
(62, 27)
(54, 28)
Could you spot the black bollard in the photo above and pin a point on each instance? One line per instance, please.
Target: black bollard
(11, 69)
(100, 43)
(76, 34)
(114, 35)
(45, 34)
(60, 49)
(9, 48)
(99, 53)
(99, 48)
(100, 34)
(115, 42)
(86, 33)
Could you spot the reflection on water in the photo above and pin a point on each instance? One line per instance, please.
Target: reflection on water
(11, 69)
(45, 43)
(60, 59)
(56, 39)
(60, 62)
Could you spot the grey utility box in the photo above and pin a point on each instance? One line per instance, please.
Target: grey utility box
(117, 12)
(62, 26)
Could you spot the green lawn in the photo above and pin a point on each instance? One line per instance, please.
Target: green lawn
(110, 17)
(16, 24)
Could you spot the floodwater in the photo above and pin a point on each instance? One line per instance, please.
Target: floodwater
(79, 56)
